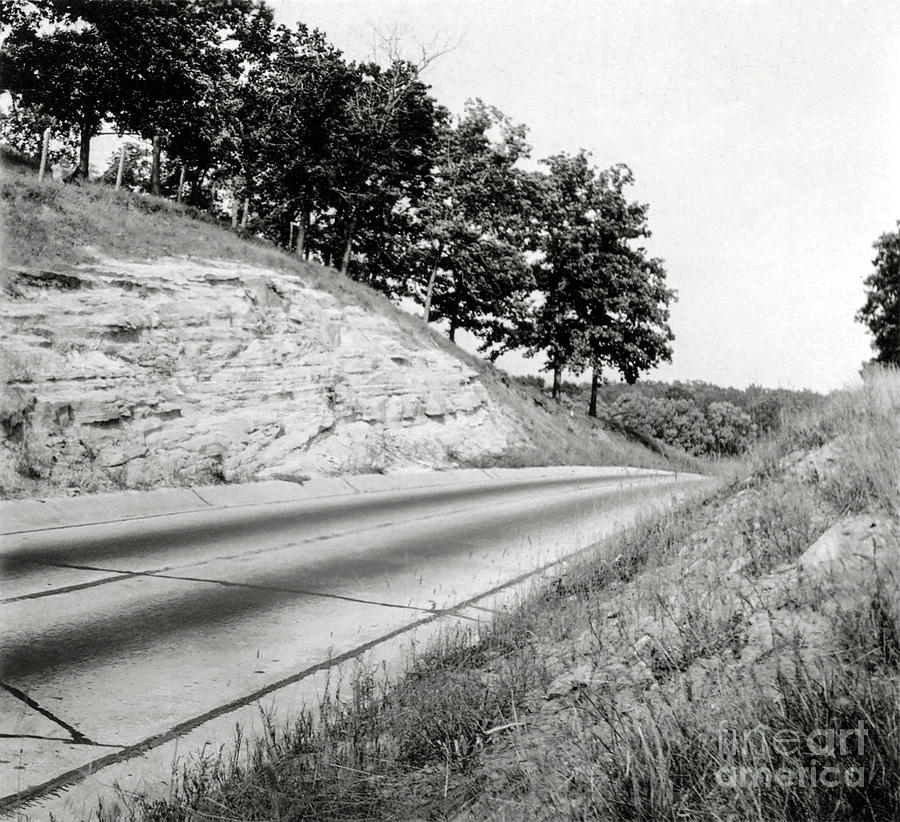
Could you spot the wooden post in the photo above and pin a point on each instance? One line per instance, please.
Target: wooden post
(154, 168)
(235, 206)
(595, 384)
(121, 172)
(44, 151)
(180, 182)
(246, 216)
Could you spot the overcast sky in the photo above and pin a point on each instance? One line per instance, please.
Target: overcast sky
(764, 135)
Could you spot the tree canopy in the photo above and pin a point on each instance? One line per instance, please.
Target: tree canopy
(465, 263)
(354, 164)
(881, 311)
(601, 301)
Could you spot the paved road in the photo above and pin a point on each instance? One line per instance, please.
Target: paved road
(125, 634)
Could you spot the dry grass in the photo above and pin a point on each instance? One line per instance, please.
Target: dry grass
(689, 671)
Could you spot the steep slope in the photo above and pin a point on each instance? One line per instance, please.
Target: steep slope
(143, 347)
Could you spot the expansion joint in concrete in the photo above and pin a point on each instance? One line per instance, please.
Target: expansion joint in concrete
(77, 736)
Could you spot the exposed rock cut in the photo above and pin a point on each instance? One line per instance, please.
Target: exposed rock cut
(127, 374)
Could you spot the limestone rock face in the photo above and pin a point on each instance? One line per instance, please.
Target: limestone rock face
(127, 374)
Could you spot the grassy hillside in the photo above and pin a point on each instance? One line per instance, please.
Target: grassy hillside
(736, 658)
(55, 228)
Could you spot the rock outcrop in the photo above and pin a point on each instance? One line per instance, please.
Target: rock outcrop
(126, 374)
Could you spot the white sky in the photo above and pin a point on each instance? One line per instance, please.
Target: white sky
(764, 135)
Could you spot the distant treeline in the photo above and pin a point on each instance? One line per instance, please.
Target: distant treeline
(351, 163)
(698, 417)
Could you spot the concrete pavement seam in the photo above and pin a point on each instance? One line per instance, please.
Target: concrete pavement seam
(160, 574)
(122, 575)
(60, 740)
(77, 736)
(66, 589)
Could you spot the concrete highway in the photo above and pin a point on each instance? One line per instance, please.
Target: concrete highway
(121, 636)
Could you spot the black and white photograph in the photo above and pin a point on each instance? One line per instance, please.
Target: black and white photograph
(463, 410)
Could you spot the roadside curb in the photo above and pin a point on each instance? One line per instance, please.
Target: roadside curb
(27, 516)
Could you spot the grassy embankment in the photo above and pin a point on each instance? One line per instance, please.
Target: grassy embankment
(704, 666)
(55, 227)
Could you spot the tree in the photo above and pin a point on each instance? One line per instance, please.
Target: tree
(627, 299)
(644, 313)
(135, 170)
(178, 64)
(466, 261)
(567, 204)
(22, 128)
(881, 311)
(732, 429)
(601, 301)
(63, 71)
(284, 133)
(383, 156)
(161, 69)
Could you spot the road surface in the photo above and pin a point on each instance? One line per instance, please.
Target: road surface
(122, 636)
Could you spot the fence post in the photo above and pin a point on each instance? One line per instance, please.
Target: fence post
(121, 170)
(180, 182)
(246, 215)
(44, 150)
(154, 167)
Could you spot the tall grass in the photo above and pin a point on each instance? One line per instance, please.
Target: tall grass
(686, 672)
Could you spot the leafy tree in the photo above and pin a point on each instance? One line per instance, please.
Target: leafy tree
(135, 170)
(163, 69)
(644, 315)
(179, 62)
(567, 204)
(63, 72)
(732, 429)
(291, 111)
(382, 158)
(466, 262)
(22, 129)
(881, 311)
(627, 298)
(720, 429)
(601, 300)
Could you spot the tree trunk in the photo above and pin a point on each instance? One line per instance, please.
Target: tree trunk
(426, 314)
(348, 247)
(245, 217)
(429, 292)
(235, 210)
(154, 168)
(452, 333)
(595, 382)
(557, 381)
(84, 150)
